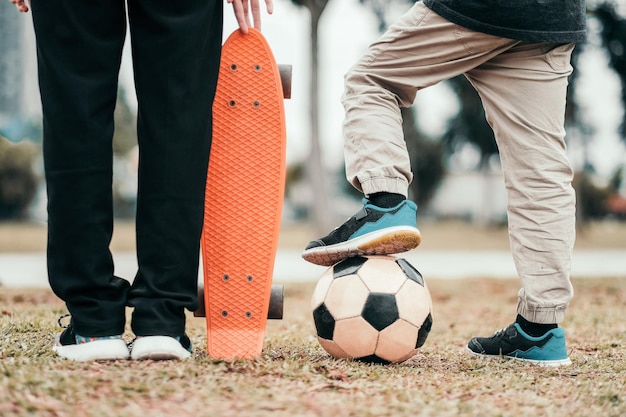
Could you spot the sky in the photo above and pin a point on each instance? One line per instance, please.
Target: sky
(346, 29)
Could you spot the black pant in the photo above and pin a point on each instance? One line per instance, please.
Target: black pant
(176, 49)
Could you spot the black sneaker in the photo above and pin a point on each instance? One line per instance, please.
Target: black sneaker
(514, 343)
(161, 348)
(72, 346)
(372, 231)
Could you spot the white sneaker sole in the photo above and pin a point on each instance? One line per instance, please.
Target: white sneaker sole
(388, 241)
(158, 348)
(99, 350)
(548, 363)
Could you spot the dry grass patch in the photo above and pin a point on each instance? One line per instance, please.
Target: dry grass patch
(437, 235)
(295, 377)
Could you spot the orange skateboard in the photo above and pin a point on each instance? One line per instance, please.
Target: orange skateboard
(245, 189)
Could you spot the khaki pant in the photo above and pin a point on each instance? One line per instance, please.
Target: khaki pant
(523, 90)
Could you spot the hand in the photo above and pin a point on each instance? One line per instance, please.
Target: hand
(242, 9)
(20, 5)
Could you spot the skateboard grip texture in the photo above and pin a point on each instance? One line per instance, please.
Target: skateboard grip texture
(244, 197)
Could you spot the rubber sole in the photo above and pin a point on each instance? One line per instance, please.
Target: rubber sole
(388, 241)
(158, 348)
(547, 363)
(100, 350)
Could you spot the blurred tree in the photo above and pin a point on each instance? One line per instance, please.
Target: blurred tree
(124, 137)
(316, 171)
(426, 157)
(591, 197)
(18, 180)
(125, 157)
(469, 125)
(613, 38)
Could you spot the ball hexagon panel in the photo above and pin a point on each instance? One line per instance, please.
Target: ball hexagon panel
(414, 302)
(381, 275)
(321, 288)
(355, 336)
(407, 356)
(397, 341)
(332, 348)
(346, 297)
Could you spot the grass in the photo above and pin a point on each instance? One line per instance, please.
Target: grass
(295, 377)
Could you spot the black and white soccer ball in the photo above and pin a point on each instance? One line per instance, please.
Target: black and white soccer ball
(373, 309)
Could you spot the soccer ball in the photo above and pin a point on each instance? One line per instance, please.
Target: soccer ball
(372, 309)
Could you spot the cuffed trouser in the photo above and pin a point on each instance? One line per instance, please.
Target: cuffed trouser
(176, 51)
(523, 90)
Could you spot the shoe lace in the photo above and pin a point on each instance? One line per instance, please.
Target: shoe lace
(61, 318)
(503, 331)
(500, 332)
(130, 344)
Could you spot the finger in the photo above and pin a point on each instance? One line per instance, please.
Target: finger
(241, 15)
(20, 5)
(256, 14)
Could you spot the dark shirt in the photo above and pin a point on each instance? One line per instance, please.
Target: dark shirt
(557, 21)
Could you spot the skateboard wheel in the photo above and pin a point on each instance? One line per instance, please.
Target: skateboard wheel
(274, 312)
(201, 311)
(285, 79)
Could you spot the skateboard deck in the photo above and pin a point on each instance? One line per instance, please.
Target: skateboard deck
(244, 197)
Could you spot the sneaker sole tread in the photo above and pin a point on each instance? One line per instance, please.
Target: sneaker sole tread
(538, 362)
(102, 350)
(386, 242)
(158, 348)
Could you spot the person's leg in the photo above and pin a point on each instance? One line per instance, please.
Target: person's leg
(176, 51)
(79, 48)
(524, 94)
(419, 50)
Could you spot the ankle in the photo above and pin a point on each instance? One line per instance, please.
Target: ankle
(534, 329)
(385, 199)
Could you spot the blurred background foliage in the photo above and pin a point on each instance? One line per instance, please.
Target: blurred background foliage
(21, 165)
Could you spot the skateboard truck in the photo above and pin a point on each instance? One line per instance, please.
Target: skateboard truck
(274, 312)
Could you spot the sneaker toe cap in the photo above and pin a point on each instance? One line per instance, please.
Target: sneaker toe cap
(314, 244)
(475, 346)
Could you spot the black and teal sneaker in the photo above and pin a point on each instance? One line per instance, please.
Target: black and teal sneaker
(512, 342)
(371, 231)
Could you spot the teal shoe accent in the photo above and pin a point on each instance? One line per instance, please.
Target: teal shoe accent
(404, 214)
(82, 339)
(553, 350)
(512, 342)
(71, 346)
